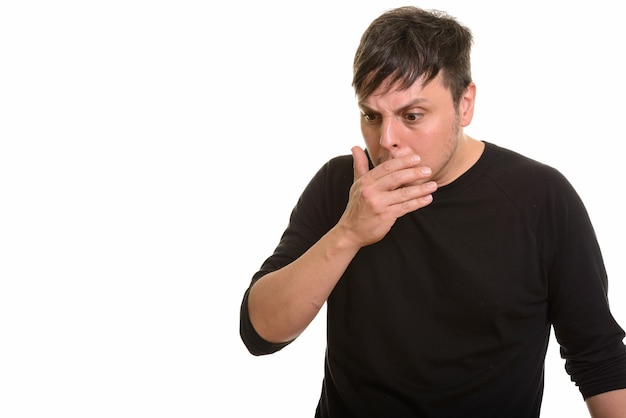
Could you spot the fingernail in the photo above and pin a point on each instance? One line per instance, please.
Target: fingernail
(425, 170)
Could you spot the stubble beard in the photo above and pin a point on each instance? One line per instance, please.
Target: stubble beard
(448, 152)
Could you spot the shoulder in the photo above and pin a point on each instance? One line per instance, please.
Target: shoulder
(336, 174)
(509, 161)
(538, 190)
(341, 165)
(511, 169)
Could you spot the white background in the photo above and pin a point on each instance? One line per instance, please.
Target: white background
(150, 153)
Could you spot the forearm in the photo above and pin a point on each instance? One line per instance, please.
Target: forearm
(608, 405)
(283, 303)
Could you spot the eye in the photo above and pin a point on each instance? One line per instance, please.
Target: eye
(370, 117)
(413, 117)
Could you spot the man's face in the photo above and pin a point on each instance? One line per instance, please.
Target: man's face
(420, 120)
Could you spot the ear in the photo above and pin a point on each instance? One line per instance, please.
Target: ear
(466, 104)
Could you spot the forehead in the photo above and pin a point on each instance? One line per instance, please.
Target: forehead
(391, 93)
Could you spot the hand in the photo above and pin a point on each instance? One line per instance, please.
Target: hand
(382, 195)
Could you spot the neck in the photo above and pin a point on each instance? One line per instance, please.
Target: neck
(468, 151)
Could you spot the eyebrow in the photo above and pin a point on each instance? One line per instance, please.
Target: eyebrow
(409, 105)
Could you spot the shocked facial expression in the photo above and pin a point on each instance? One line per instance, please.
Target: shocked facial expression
(422, 120)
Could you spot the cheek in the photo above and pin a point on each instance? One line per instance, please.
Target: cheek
(432, 143)
(424, 139)
(439, 133)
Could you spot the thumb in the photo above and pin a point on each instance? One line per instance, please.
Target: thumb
(361, 163)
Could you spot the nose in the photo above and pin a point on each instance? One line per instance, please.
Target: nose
(388, 137)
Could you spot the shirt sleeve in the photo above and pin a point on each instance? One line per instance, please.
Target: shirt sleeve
(591, 341)
(255, 344)
(318, 209)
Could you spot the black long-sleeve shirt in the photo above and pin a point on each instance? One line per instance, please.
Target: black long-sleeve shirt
(449, 314)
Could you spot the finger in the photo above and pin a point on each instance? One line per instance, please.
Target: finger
(410, 198)
(396, 164)
(361, 163)
(401, 177)
(406, 177)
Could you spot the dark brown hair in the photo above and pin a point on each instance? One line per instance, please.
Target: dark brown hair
(407, 43)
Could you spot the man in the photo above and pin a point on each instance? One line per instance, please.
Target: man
(443, 260)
